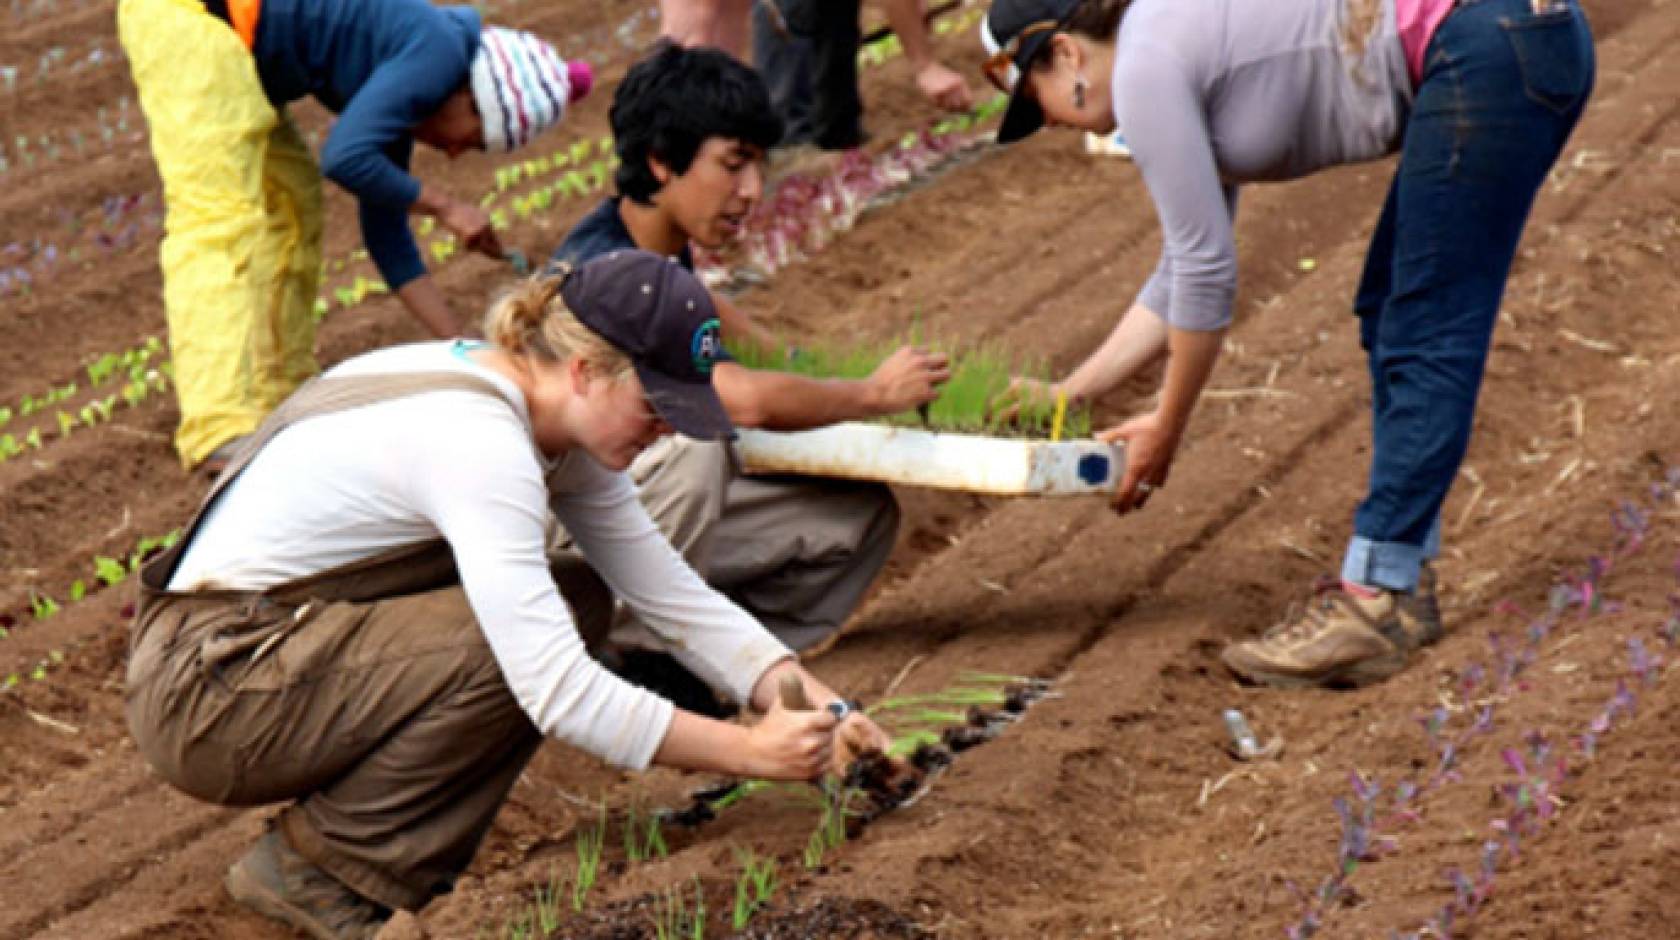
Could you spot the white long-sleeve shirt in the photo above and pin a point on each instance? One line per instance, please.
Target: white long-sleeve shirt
(345, 486)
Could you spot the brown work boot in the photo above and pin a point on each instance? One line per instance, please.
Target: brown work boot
(1337, 640)
(277, 882)
(1420, 611)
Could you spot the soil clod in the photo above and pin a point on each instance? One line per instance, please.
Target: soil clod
(962, 738)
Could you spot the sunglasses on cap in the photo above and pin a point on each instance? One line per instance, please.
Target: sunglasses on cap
(1000, 67)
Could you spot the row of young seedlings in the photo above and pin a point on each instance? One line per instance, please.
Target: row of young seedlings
(975, 400)
(577, 175)
(927, 729)
(1529, 802)
(803, 216)
(860, 179)
(115, 225)
(24, 10)
(139, 380)
(562, 175)
(583, 178)
(55, 59)
(881, 51)
(107, 572)
(109, 127)
(806, 212)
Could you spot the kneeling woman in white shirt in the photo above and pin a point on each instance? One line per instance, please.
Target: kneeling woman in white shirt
(362, 620)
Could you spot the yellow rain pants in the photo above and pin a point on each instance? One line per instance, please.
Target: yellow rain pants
(242, 227)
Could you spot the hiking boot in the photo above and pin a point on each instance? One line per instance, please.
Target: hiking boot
(1420, 611)
(1337, 640)
(277, 882)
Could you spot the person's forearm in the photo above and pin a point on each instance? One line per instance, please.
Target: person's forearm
(426, 303)
(1189, 364)
(1136, 342)
(905, 18)
(696, 743)
(783, 401)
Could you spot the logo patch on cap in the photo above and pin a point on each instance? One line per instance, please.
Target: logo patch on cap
(706, 347)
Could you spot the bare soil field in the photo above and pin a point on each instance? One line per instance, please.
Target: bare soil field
(1544, 725)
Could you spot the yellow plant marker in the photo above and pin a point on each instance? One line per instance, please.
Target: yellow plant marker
(1060, 416)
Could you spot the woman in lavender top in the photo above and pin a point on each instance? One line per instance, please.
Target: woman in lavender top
(1477, 97)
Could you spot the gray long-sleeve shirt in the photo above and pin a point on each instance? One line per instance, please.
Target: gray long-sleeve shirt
(1214, 93)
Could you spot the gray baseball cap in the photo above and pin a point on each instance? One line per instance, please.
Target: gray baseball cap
(662, 317)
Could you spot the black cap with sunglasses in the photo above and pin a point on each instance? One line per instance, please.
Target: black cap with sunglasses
(1015, 33)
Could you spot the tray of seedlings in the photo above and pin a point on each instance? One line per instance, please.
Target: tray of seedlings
(960, 441)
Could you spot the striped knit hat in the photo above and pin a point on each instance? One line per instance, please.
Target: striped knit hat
(522, 86)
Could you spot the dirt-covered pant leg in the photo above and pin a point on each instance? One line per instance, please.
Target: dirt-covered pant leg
(242, 202)
(388, 722)
(799, 553)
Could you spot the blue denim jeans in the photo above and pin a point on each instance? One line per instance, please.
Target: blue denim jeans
(1502, 88)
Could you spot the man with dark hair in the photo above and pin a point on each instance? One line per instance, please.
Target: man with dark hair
(692, 127)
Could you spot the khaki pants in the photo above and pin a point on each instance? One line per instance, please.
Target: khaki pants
(369, 696)
(797, 553)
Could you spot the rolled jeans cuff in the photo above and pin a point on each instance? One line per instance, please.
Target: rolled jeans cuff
(1392, 566)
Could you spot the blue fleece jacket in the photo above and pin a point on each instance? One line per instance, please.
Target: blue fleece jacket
(382, 66)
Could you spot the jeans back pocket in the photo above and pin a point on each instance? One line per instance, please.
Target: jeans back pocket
(1554, 50)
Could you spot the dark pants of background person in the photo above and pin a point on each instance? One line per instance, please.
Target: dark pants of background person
(812, 70)
(1502, 89)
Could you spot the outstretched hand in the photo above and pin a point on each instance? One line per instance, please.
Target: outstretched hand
(471, 225)
(1023, 393)
(792, 745)
(944, 87)
(1150, 446)
(909, 378)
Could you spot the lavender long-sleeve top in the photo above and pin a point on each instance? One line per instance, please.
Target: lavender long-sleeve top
(1211, 94)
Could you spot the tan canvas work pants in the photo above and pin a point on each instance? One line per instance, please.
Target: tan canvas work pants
(366, 694)
(797, 553)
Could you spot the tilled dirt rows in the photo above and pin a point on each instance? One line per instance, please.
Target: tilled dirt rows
(1113, 807)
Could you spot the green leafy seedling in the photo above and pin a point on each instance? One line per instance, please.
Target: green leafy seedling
(109, 570)
(673, 919)
(643, 836)
(590, 843)
(754, 888)
(42, 606)
(546, 903)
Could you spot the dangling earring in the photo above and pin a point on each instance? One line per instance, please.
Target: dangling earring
(1079, 91)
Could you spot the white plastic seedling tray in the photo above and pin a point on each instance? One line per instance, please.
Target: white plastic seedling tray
(915, 457)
